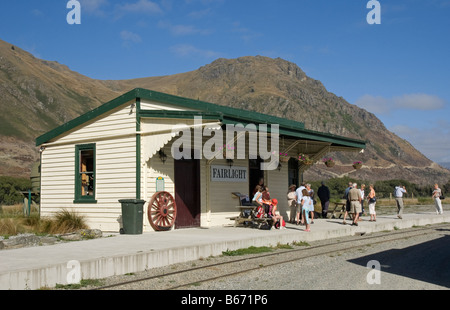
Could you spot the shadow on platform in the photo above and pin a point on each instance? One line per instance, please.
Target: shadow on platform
(428, 261)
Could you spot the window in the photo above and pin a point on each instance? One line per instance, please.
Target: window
(85, 173)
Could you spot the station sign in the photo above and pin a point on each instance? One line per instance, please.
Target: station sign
(229, 174)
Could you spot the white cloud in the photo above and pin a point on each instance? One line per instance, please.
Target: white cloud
(98, 7)
(376, 105)
(182, 30)
(37, 12)
(93, 6)
(187, 50)
(200, 14)
(129, 36)
(141, 6)
(204, 2)
(381, 105)
(419, 102)
(246, 34)
(433, 142)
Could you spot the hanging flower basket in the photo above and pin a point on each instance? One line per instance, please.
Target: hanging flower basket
(305, 160)
(357, 165)
(329, 162)
(225, 148)
(284, 158)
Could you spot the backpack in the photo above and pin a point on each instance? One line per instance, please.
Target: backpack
(279, 225)
(260, 212)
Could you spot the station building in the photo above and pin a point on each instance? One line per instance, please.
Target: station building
(146, 142)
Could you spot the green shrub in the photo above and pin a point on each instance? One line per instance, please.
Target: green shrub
(11, 188)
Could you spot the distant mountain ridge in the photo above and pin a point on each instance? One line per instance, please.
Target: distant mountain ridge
(38, 95)
(445, 165)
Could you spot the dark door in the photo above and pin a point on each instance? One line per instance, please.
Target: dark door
(293, 172)
(187, 193)
(255, 174)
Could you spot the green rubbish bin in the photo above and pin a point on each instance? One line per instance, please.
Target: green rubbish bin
(132, 216)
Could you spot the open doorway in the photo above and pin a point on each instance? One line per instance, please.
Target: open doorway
(187, 193)
(255, 174)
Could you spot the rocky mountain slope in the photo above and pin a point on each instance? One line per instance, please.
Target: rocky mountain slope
(37, 95)
(281, 88)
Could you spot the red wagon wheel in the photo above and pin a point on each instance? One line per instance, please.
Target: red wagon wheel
(162, 211)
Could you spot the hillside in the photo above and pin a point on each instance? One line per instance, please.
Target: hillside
(281, 88)
(38, 95)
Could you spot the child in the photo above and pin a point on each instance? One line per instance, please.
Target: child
(266, 200)
(278, 221)
(257, 198)
(307, 206)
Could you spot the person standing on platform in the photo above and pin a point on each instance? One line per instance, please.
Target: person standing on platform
(347, 201)
(311, 196)
(324, 195)
(299, 193)
(372, 201)
(437, 193)
(398, 193)
(292, 203)
(307, 207)
(362, 189)
(354, 196)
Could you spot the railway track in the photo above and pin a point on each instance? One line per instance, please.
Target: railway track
(195, 275)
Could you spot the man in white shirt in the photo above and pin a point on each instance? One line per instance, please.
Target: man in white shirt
(398, 193)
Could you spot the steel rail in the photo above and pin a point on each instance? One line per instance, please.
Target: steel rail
(410, 233)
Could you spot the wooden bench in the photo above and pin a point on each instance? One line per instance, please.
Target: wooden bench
(247, 213)
(338, 211)
(247, 218)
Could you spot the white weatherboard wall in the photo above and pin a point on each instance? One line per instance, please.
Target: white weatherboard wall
(217, 201)
(277, 181)
(114, 135)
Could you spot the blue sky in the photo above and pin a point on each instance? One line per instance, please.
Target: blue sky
(399, 69)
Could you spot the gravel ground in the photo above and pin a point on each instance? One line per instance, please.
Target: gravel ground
(419, 262)
(402, 267)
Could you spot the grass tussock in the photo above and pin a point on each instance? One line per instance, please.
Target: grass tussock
(62, 222)
(10, 227)
(66, 221)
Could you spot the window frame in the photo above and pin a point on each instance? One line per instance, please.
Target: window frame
(78, 196)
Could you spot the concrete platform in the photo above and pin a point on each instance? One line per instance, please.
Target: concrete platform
(45, 266)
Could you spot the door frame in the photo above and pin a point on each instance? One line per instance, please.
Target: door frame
(195, 185)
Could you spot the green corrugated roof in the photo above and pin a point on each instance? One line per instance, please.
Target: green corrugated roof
(226, 115)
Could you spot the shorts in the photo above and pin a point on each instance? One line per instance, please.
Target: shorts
(355, 207)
